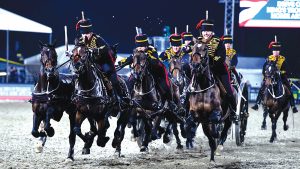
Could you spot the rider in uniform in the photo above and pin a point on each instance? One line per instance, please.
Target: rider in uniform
(156, 68)
(231, 56)
(174, 51)
(104, 57)
(217, 54)
(282, 66)
(188, 42)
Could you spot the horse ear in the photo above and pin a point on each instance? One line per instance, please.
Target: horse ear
(41, 44)
(115, 47)
(54, 43)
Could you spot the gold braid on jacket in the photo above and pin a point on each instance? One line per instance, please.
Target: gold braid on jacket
(279, 61)
(230, 53)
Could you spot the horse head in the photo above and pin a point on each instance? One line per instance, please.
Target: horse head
(80, 59)
(273, 80)
(271, 72)
(48, 59)
(139, 65)
(175, 70)
(200, 66)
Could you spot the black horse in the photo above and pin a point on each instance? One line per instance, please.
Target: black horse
(51, 97)
(205, 99)
(92, 100)
(147, 102)
(276, 97)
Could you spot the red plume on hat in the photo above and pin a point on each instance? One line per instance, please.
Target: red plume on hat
(271, 44)
(200, 24)
(182, 34)
(78, 25)
(222, 38)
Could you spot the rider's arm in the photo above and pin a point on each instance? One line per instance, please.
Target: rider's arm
(126, 61)
(220, 53)
(234, 60)
(163, 56)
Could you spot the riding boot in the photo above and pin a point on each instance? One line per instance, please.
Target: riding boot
(292, 102)
(232, 103)
(229, 96)
(259, 98)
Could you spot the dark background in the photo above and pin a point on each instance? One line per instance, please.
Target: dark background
(115, 21)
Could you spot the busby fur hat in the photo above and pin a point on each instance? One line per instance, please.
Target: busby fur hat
(275, 46)
(141, 40)
(205, 25)
(187, 36)
(227, 39)
(175, 40)
(84, 26)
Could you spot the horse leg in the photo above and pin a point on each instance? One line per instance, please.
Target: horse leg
(176, 133)
(154, 134)
(89, 136)
(274, 125)
(182, 130)
(212, 142)
(189, 126)
(36, 133)
(166, 137)
(36, 123)
(103, 125)
(264, 123)
(49, 115)
(133, 122)
(77, 126)
(284, 118)
(223, 137)
(147, 136)
(119, 132)
(72, 135)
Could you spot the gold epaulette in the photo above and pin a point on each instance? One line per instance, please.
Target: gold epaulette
(279, 60)
(123, 60)
(230, 53)
(150, 52)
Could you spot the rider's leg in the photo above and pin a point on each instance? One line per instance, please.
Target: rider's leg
(259, 97)
(160, 75)
(236, 75)
(225, 78)
(292, 100)
(114, 79)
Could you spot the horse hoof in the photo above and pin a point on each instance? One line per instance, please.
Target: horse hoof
(263, 127)
(85, 151)
(117, 153)
(50, 132)
(35, 134)
(144, 149)
(102, 141)
(39, 147)
(114, 143)
(69, 159)
(154, 136)
(285, 127)
(166, 139)
(179, 147)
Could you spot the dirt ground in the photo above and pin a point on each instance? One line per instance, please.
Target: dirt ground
(17, 147)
